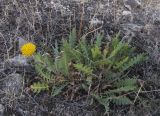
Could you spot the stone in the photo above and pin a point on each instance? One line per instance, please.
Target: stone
(18, 60)
(131, 4)
(126, 13)
(132, 27)
(21, 41)
(13, 84)
(2, 108)
(127, 16)
(95, 21)
(18, 64)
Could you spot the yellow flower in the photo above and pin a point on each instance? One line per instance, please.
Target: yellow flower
(28, 49)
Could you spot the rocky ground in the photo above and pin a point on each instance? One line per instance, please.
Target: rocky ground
(45, 21)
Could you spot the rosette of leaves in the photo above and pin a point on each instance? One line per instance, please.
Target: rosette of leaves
(99, 69)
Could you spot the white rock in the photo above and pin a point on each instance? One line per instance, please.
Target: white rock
(21, 42)
(19, 61)
(130, 4)
(127, 16)
(13, 84)
(95, 21)
(126, 13)
(2, 108)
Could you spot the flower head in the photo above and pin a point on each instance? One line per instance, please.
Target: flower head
(28, 49)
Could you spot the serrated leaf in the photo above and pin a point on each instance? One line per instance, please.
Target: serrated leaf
(99, 40)
(72, 38)
(116, 50)
(62, 65)
(124, 89)
(133, 61)
(89, 80)
(38, 57)
(121, 100)
(105, 51)
(58, 89)
(96, 52)
(115, 41)
(121, 63)
(45, 74)
(39, 86)
(84, 69)
(56, 49)
(85, 50)
(103, 101)
(84, 86)
(126, 82)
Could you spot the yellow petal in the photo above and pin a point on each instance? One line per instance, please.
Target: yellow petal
(28, 49)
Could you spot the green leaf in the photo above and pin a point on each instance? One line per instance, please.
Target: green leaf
(84, 86)
(111, 76)
(103, 101)
(58, 89)
(133, 61)
(48, 62)
(84, 69)
(99, 40)
(105, 51)
(121, 63)
(62, 62)
(121, 100)
(62, 65)
(39, 86)
(124, 89)
(86, 51)
(56, 50)
(89, 80)
(44, 62)
(43, 72)
(103, 62)
(72, 53)
(126, 82)
(115, 41)
(116, 50)
(72, 38)
(38, 58)
(96, 52)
